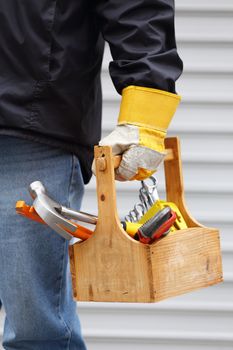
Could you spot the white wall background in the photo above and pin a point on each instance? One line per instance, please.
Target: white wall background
(204, 123)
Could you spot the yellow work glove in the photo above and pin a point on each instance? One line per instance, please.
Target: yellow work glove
(145, 115)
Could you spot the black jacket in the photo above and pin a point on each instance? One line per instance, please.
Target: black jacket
(50, 60)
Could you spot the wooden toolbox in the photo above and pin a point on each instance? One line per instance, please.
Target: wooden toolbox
(112, 267)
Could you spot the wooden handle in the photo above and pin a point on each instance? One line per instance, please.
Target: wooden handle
(173, 176)
(105, 183)
(174, 180)
(105, 165)
(169, 156)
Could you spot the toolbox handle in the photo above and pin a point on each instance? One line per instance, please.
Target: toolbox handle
(173, 177)
(106, 193)
(174, 180)
(169, 156)
(111, 266)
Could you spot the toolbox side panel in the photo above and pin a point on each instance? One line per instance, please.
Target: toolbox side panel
(185, 261)
(111, 266)
(73, 270)
(113, 269)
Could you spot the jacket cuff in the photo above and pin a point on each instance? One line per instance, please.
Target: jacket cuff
(147, 107)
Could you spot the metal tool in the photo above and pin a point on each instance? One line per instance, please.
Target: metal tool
(78, 215)
(139, 210)
(29, 212)
(150, 190)
(132, 216)
(128, 218)
(179, 224)
(143, 199)
(148, 195)
(157, 226)
(50, 211)
(150, 204)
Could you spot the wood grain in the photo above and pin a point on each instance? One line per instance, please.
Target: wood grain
(112, 267)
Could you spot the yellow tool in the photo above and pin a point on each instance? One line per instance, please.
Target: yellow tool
(150, 204)
(179, 224)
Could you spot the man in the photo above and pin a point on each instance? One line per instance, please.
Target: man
(50, 119)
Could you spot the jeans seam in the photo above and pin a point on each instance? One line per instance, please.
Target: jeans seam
(69, 340)
(59, 298)
(71, 179)
(68, 200)
(63, 266)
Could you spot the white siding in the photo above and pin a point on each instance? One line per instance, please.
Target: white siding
(204, 122)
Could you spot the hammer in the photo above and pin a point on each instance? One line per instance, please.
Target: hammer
(52, 213)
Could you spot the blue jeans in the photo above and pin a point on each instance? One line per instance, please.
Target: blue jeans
(35, 283)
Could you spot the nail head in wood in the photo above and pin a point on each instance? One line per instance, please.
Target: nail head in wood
(102, 197)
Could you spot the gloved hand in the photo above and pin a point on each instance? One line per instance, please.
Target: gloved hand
(144, 117)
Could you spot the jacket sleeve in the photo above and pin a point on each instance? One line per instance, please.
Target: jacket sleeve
(142, 41)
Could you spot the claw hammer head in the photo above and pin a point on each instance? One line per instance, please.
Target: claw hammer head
(47, 209)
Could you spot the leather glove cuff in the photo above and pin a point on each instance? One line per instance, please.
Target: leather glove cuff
(147, 107)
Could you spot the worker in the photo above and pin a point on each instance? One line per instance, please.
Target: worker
(50, 119)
